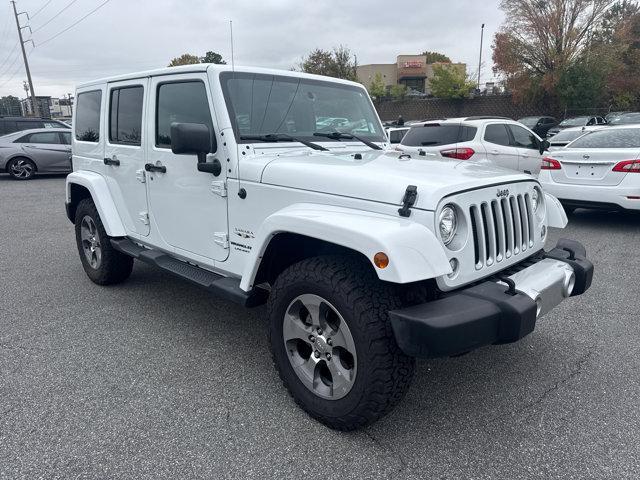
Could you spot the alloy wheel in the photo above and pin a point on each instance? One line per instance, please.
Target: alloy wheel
(91, 242)
(320, 346)
(22, 169)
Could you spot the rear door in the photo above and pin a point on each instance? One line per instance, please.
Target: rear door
(527, 144)
(124, 155)
(590, 159)
(497, 142)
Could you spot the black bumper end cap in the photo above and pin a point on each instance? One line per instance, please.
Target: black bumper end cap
(481, 315)
(67, 207)
(575, 254)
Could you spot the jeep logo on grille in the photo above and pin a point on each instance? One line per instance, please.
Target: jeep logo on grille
(502, 193)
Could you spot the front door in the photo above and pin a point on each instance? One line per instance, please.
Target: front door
(188, 214)
(124, 155)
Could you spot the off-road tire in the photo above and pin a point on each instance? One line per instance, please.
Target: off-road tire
(384, 373)
(114, 267)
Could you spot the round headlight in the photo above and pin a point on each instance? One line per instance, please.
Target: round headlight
(534, 200)
(448, 223)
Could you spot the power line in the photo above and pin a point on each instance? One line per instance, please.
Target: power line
(12, 75)
(14, 49)
(73, 24)
(40, 9)
(55, 16)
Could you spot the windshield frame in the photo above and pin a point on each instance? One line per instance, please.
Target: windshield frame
(224, 77)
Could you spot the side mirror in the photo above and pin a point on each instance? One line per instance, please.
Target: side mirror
(544, 146)
(191, 139)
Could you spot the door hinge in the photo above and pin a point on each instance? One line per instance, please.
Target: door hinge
(144, 217)
(222, 239)
(219, 187)
(140, 176)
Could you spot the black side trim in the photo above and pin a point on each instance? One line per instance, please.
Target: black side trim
(224, 287)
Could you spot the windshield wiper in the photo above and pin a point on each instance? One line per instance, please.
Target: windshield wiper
(281, 137)
(346, 136)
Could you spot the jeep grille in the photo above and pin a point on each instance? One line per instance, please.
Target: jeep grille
(501, 228)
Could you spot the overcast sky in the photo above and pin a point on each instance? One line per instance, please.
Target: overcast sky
(129, 35)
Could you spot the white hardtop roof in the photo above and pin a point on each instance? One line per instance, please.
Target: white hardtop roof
(211, 67)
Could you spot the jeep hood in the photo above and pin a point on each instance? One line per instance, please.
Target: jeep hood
(378, 176)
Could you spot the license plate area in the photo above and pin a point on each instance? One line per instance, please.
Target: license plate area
(587, 171)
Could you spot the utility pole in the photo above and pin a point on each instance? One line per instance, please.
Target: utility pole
(36, 110)
(480, 58)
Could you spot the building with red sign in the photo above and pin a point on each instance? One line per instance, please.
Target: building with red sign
(410, 70)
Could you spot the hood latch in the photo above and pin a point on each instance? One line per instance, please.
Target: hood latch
(410, 195)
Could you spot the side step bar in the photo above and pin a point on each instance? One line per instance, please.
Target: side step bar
(225, 287)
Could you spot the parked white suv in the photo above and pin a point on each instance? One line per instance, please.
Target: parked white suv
(367, 258)
(500, 141)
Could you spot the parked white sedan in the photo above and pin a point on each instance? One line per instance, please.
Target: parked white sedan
(601, 169)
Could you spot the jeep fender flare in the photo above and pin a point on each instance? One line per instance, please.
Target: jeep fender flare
(556, 216)
(414, 251)
(97, 187)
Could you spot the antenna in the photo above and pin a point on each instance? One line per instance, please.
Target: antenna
(242, 193)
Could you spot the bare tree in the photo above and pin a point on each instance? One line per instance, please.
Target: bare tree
(540, 38)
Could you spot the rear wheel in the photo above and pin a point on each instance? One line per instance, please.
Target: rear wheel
(21, 168)
(102, 263)
(332, 342)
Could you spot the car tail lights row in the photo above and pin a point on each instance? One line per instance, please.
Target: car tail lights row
(458, 153)
(628, 166)
(549, 163)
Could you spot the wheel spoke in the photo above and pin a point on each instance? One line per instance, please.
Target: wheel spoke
(342, 379)
(293, 328)
(313, 304)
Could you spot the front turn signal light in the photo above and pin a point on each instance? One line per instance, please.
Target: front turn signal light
(381, 260)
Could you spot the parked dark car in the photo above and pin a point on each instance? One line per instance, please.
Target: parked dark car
(583, 121)
(17, 124)
(626, 119)
(539, 125)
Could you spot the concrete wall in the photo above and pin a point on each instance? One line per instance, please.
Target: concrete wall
(429, 108)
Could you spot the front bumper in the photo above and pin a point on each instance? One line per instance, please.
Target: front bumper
(493, 312)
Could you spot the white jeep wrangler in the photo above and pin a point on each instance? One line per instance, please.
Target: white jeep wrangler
(366, 257)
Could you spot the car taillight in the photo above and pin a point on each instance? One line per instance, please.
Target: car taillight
(628, 166)
(458, 153)
(549, 163)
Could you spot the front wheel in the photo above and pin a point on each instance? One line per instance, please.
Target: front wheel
(332, 342)
(102, 263)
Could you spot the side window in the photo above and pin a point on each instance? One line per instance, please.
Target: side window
(66, 138)
(42, 137)
(592, 121)
(88, 116)
(180, 102)
(22, 139)
(522, 137)
(125, 115)
(497, 133)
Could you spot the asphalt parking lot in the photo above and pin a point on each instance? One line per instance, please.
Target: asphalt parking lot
(153, 378)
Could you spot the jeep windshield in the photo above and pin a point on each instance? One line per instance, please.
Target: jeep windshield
(261, 104)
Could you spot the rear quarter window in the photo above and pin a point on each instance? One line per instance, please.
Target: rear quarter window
(88, 116)
(433, 135)
(609, 138)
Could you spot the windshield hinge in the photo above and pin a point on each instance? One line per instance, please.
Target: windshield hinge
(410, 195)
(144, 217)
(219, 187)
(222, 239)
(140, 176)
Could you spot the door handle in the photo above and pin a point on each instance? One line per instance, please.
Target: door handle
(112, 161)
(150, 167)
(494, 152)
